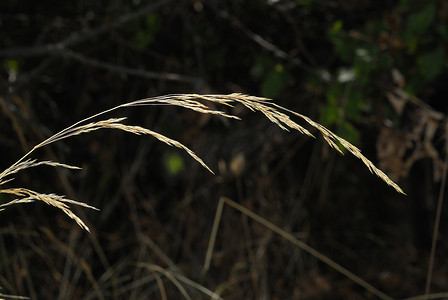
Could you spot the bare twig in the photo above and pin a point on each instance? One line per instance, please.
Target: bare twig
(80, 37)
(129, 71)
(262, 41)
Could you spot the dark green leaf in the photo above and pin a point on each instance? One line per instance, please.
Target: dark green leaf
(419, 21)
(355, 104)
(274, 82)
(336, 28)
(261, 66)
(330, 115)
(174, 163)
(432, 63)
(348, 132)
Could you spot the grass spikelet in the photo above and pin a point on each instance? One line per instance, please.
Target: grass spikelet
(28, 196)
(330, 138)
(29, 163)
(275, 113)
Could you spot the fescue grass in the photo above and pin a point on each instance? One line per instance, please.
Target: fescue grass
(275, 113)
(203, 104)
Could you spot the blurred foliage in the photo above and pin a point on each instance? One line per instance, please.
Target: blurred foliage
(143, 33)
(272, 77)
(174, 163)
(329, 60)
(410, 37)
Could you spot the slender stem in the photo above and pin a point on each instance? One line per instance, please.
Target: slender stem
(308, 249)
(435, 233)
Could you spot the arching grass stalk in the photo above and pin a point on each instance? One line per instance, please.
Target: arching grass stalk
(275, 113)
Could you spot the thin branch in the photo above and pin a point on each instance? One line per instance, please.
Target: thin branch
(435, 234)
(236, 23)
(80, 37)
(130, 71)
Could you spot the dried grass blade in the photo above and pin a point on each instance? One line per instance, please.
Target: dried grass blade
(169, 275)
(331, 138)
(263, 105)
(305, 247)
(57, 201)
(29, 163)
(175, 276)
(140, 130)
(186, 101)
(190, 101)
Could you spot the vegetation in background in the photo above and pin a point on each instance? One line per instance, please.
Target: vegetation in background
(372, 72)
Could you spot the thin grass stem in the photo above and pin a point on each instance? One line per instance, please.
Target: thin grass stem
(289, 237)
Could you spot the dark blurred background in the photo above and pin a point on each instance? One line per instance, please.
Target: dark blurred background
(374, 72)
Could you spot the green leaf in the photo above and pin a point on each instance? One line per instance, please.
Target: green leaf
(336, 28)
(333, 94)
(329, 115)
(261, 66)
(11, 64)
(174, 163)
(153, 22)
(348, 132)
(143, 39)
(355, 103)
(432, 63)
(364, 64)
(385, 60)
(274, 82)
(419, 21)
(145, 36)
(344, 47)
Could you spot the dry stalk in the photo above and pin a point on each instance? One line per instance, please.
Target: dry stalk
(177, 278)
(290, 238)
(274, 112)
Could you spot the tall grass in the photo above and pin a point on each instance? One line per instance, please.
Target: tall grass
(277, 114)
